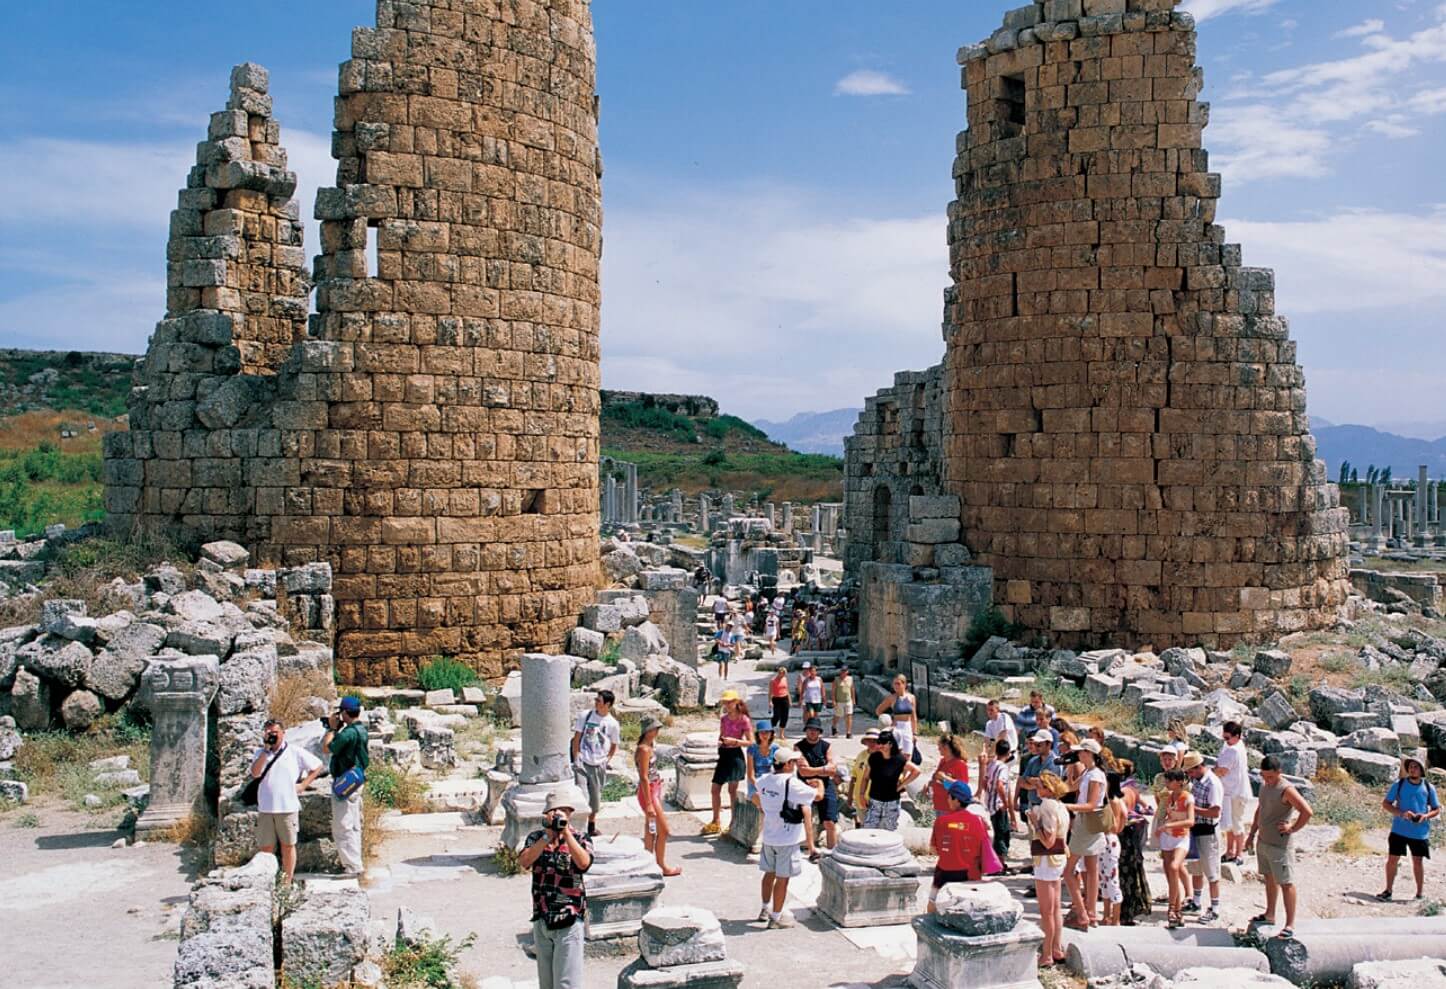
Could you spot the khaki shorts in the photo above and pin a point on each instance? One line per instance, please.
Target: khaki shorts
(1232, 815)
(1276, 863)
(1082, 844)
(277, 829)
(1207, 863)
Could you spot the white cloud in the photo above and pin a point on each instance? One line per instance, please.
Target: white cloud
(1430, 101)
(1373, 26)
(1254, 142)
(698, 287)
(91, 183)
(868, 82)
(1206, 9)
(1393, 126)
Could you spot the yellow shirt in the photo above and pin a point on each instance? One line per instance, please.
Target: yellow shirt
(859, 774)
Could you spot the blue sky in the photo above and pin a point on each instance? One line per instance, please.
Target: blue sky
(776, 179)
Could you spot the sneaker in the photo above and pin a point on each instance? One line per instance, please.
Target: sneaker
(1208, 916)
(1190, 905)
(784, 919)
(764, 912)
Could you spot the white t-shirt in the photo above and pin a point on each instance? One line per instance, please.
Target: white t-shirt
(599, 735)
(771, 792)
(1236, 782)
(1002, 726)
(720, 606)
(813, 690)
(1094, 777)
(277, 793)
(996, 776)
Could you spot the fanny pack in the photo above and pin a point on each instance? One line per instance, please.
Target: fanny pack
(348, 783)
(1202, 828)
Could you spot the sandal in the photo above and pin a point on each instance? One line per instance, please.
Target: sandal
(1384, 897)
(1285, 934)
(1261, 918)
(1175, 922)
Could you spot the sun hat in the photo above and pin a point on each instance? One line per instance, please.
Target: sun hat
(1192, 760)
(648, 724)
(812, 723)
(960, 791)
(871, 733)
(559, 800)
(1090, 745)
(1411, 758)
(729, 695)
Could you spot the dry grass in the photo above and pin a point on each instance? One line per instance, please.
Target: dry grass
(58, 763)
(374, 836)
(85, 570)
(28, 430)
(196, 831)
(290, 694)
(1351, 841)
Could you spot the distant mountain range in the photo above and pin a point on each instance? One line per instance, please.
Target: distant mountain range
(813, 432)
(1363, 446)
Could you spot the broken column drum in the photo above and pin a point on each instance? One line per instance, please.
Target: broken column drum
(546, 749)
(623, 883)
(870, 879)
(695, 762)
(435, 434)
(178, 694)
(1125, 420)
(976, 937)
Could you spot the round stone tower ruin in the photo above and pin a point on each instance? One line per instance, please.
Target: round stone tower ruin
(1125, 422)
(435, 435)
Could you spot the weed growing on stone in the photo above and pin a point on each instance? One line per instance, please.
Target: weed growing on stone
(28, 820)
(617, 788)
(430, 964)
(290, 695)
(1340, 800)
(445, 673)
(374, 835)
(611, 652)
(396, 790)
(506, 861)
(1433, 908)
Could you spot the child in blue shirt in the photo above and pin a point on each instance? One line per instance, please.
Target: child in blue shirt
(760, 754)
(1413, 804)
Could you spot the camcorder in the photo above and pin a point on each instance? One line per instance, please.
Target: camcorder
(272, 736)
(1068, 759)
(557, 823)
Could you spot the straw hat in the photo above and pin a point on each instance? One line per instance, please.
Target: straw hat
(1191, 760)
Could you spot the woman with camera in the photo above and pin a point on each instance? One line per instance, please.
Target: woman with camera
(557, 857)
(281, 773)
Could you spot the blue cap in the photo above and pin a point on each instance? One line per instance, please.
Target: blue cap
(763, 725)
(350, 705)
(960, 791)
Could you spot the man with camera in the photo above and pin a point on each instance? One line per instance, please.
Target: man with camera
(346, 740)
(282, 772)
(558, 857)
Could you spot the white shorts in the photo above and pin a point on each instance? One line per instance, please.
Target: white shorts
(1232, 815)
(1169, 842)
(1045, 872)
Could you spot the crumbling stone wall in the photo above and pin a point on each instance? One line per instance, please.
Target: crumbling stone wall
(435, 438)
(1126, 422)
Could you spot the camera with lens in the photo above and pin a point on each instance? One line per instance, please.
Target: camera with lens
(557, 822)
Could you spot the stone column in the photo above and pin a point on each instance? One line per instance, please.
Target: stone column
(546, 737)
(788, 516)
(727, 507)
(677, 497)
(703, 509)
(768, 514)
(1421, 523)
(1378, 508)
(178, 693)
(630, 495)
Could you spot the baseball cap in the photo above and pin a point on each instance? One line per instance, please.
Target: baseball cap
(350, 704)
(1042, 736)
(1090, 745)
(807, 665)
(960, 791)
(763, 725)
(812, 723)
(786, 755)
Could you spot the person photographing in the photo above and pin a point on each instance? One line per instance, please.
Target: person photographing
(346, 741)
(281, 772)
(557, 857)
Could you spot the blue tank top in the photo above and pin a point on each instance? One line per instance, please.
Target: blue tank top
(902, 705)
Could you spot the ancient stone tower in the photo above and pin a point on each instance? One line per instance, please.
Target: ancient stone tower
(435, 436)
(1125, 420)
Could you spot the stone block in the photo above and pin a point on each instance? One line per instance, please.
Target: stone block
(80, 710)
(67, 619)
(585, 642)
(1100, 687)
(672, 936)
(62, 661)
(246, 680)
(1277, 711)
(602, 618)
(1274, 663)
(1160, 713)
(1381, 740)
(30, 702)
(325, 936)
(432, 698)
(870, 879)
(1371, 768)
(947, 959)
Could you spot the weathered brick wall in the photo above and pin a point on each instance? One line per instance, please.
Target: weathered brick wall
(1126, 422)
(436, 436)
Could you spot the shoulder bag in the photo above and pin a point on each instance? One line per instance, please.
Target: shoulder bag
(251, 792)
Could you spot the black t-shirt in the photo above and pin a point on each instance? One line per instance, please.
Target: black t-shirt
(816, 755)
(884, 776)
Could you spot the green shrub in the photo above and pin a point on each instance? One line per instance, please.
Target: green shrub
(443, 673)
(611, 652)
(390, 787)
(641, 415)
(720, 427)
(986, 625)
(715, 458)
(431, 964)
(617, 788)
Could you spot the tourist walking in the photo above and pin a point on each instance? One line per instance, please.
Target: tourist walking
(735, 733)
(1087, 838)
(346, 741)
(797, 633)
(1233, 768)
(557, 857)
(650, 795)
(1112, 893)
(760, 755)
(1280, 813)
(1413, 804)
(778, 700)
(1209, 796)
(818, 767)
(770, 630)
(843, 702)
(999, 798)
(996, 726)
(890, 773)
(723, 649)
(720, 611)
(1134, 887)
(282, 772)
(1178, 817)
(960, 839)
(810, 692)
(952, 768)
(786, 803)
(595, 740)
(903, 708)
(1048, 828)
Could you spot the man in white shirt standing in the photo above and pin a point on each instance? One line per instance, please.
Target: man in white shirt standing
(1233, 768)
(787, 805)
(999, 725)
(595, 739)
(284, 771)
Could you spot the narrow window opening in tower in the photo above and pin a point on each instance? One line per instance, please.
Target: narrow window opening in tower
(532, 502)
(373, 264)
(1010, 111)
